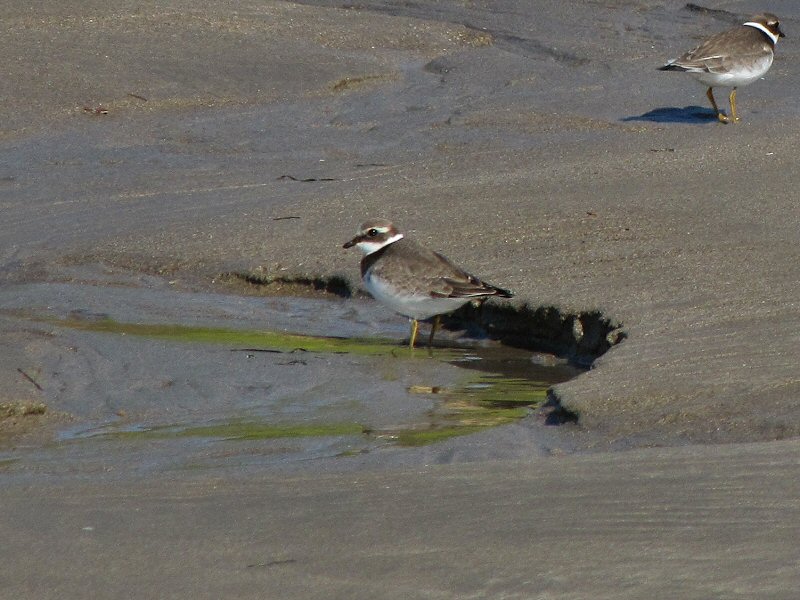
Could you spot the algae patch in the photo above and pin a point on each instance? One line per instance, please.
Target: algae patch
(482, 402)
(241, 430)
(21, 409)
(497, 391)
(250, 340)
(423, 437)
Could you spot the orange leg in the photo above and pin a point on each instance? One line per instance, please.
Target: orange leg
(720, 115)
(413, 337)
(436, 323)
(732, 98)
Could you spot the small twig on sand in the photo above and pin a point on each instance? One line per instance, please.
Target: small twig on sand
(304, 180)
(31, 379)
(100, 110)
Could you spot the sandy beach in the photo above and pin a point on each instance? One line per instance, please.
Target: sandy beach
(148, 149)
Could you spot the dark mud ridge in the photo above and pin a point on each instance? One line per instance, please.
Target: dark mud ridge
(578, 337)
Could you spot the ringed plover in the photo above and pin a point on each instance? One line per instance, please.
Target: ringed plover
(732, 58)
(413, 280)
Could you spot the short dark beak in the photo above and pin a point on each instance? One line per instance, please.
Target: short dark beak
(359, 238)
(781, 34)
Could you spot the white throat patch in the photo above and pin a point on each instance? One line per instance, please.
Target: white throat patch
(759, 26)
(368, 247)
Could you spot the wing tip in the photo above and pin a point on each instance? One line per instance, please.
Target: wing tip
(672, 67)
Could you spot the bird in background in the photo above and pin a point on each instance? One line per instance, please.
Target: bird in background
(732, 58)
(413, 280)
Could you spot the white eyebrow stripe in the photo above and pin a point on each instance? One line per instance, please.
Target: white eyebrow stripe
(771, 35)
(378, 229)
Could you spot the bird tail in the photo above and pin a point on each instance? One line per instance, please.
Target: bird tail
(501, 292)
(672, 67)
(472, 288)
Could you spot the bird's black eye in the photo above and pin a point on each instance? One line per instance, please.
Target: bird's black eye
(372, 232)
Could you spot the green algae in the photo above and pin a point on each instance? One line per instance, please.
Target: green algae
(432, 435)
(482, 401)
(497, 390)
(255, 340)
(464, 420)
(21, 409)
(459, 420)
(475, 406)
(243, 430)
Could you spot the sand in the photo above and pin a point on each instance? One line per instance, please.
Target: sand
(541, 149)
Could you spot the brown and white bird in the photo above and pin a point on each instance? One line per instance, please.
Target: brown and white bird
(732, 58)
(413, 280)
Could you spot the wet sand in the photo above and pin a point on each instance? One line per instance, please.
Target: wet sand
(544, 152)
(697, 522)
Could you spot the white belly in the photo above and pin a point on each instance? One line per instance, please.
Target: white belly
(415, 306)
(740, 77)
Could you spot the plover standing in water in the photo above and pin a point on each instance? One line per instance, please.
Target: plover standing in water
(413, 280)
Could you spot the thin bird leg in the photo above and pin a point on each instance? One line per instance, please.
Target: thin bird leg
(733, 106)
(436, 322)
(720, 115)
(413, 337)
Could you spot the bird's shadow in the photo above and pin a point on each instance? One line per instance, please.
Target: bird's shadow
(697, 115)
